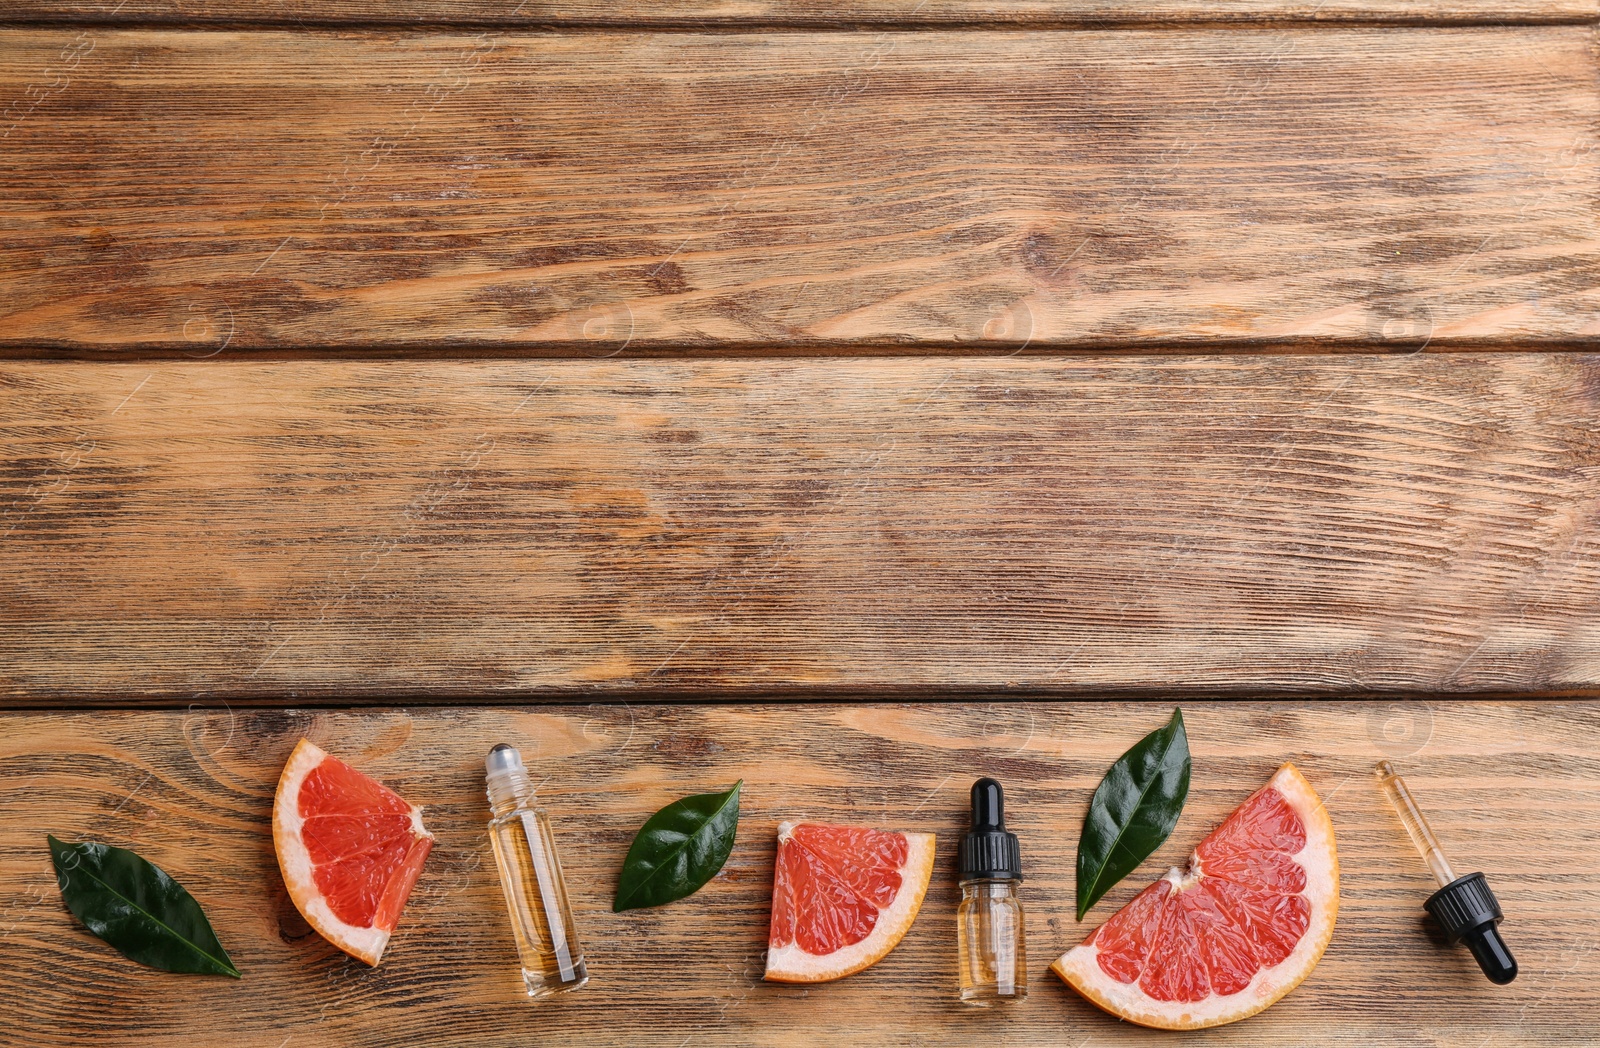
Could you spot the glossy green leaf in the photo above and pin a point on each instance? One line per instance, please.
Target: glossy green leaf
(678, 850)
(1134, 809)
(133, 905)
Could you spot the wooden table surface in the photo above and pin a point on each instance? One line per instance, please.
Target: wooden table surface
(850, 397)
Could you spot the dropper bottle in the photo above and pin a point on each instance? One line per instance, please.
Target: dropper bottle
(990, 929)
(1464, 906)
(530, 874)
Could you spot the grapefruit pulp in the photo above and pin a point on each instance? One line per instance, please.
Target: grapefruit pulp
(1232, 933)
(349, 847)
(842, 898)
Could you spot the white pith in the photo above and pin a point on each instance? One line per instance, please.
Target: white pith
(792, 964)
(1319, 858)
(1182, 878)
(366, 944)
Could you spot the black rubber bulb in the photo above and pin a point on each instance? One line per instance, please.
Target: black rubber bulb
(988, 806)
(1493, 955)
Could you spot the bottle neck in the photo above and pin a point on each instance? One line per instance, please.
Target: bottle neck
(989, 885)
(508, 791)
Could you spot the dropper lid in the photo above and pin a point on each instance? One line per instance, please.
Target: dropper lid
(1464, 906)
(988, 852)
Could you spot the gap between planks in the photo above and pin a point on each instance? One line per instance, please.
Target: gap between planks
(1110, 23)
(799, 697)
(803, 14)
(831, 351)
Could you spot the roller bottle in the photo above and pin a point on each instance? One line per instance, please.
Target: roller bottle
(530, 874)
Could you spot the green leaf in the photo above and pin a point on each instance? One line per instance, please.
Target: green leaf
(1134, 809)
(133, 905)
(678, 850)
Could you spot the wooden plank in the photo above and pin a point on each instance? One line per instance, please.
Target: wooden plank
(1513, 790)
(828, 13)
(315, 529)
(558, 192)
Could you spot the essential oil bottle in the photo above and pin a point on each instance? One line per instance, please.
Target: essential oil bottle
(990, 929)
(530, 873)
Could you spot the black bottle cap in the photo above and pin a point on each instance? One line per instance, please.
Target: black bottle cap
(1468, 912)
(989, 851)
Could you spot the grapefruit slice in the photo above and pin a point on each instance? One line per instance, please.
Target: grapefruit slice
(349, 847)
(1233, 932)
(842, 898)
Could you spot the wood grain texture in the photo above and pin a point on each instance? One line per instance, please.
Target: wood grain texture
(1513, 790)
(741, 13)
(197, 191)
(298, 530)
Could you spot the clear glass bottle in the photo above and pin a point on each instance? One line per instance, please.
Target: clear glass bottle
(530, 874)
(990, 926)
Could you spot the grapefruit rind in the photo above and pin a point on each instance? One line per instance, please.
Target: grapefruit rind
(791, 964)
(1319, 857)
(364, 944)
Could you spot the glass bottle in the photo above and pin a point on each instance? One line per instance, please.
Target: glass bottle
(530, 874)
(990, 926)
